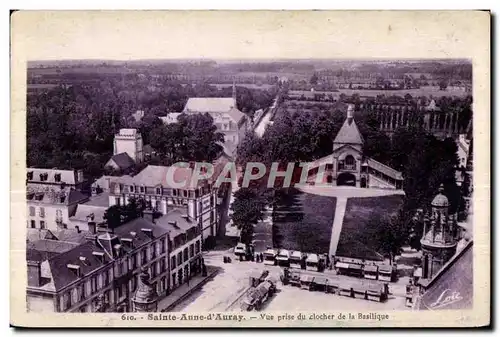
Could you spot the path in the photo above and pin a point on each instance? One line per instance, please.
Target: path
(337, 224)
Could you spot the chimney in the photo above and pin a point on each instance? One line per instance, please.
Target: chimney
(79, 176)
(34, 274)
(149, 215)
(148, 232)
(173, 223)
(118, 250)
(92, 227)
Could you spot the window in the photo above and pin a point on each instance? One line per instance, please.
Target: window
(117, 201)
(158, 191)
(350, 162)
(67, 300)
(81, 292)
(42, 212)
(57, 177)
(42, 224)
(172, 262)
(142, 189)
(143, 256)
(174, 193)
(153, 250)
(179, 258)
(162, 246)
(105, 276)
(93, 284)
(186, 254)
(191, 250)
(185, 193)
(174, 278)
(133, 262)
(197, 246)
(131, 188)
(32, 211)
(33, 224)
(162, 265)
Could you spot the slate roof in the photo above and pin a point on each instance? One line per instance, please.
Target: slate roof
(99, 200)
(122, 160)
(67, 176)
(54, 196)
(225, 105)
(52, 246)
(349, 134)
(154, 175)
(83, 211)
(455, 278)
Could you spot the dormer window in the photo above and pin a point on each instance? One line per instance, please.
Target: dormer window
(158, 190)
(29, 175)
(57, 177)
(75, 269)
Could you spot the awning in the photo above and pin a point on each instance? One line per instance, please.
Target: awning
(385, 269)
(342, 265)
(313, 258)
(306, 278)
(355, 266)
(370, 268)
(320, 280)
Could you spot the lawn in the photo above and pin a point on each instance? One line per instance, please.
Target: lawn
(356, 238)
(303, 221)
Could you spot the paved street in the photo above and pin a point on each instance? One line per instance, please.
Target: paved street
(223, 292)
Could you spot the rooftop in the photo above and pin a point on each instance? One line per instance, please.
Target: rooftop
(85, 211)
(53, 176)
(349, 132)
(211, 105)
(122, 160)
(53, 196)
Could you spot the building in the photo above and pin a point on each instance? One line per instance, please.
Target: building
(348, 166)
(87, 213)
(50, 207)
(440, 236)
(120, 162)
(229, 120)
(106, 268)
(152, 185)
(185, 254)
(171, 118)
(41, 178)
(130, 142)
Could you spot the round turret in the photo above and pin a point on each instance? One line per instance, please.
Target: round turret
(440, 200)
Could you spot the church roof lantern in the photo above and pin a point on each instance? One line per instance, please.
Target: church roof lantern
(440, 200)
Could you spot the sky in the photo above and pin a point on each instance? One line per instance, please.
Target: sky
(132, 35)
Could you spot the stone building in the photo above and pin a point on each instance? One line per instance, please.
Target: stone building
(129, 141)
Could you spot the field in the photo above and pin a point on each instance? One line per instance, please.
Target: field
(357, 230)
(423, 91)
(303, 221)
(249, 86)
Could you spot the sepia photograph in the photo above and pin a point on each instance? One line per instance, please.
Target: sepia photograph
(191, 188)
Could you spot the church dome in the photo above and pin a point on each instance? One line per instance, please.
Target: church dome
(440, 200)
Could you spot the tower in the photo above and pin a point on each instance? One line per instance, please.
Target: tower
(440, 236)
(130, 142)
(145, 298)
